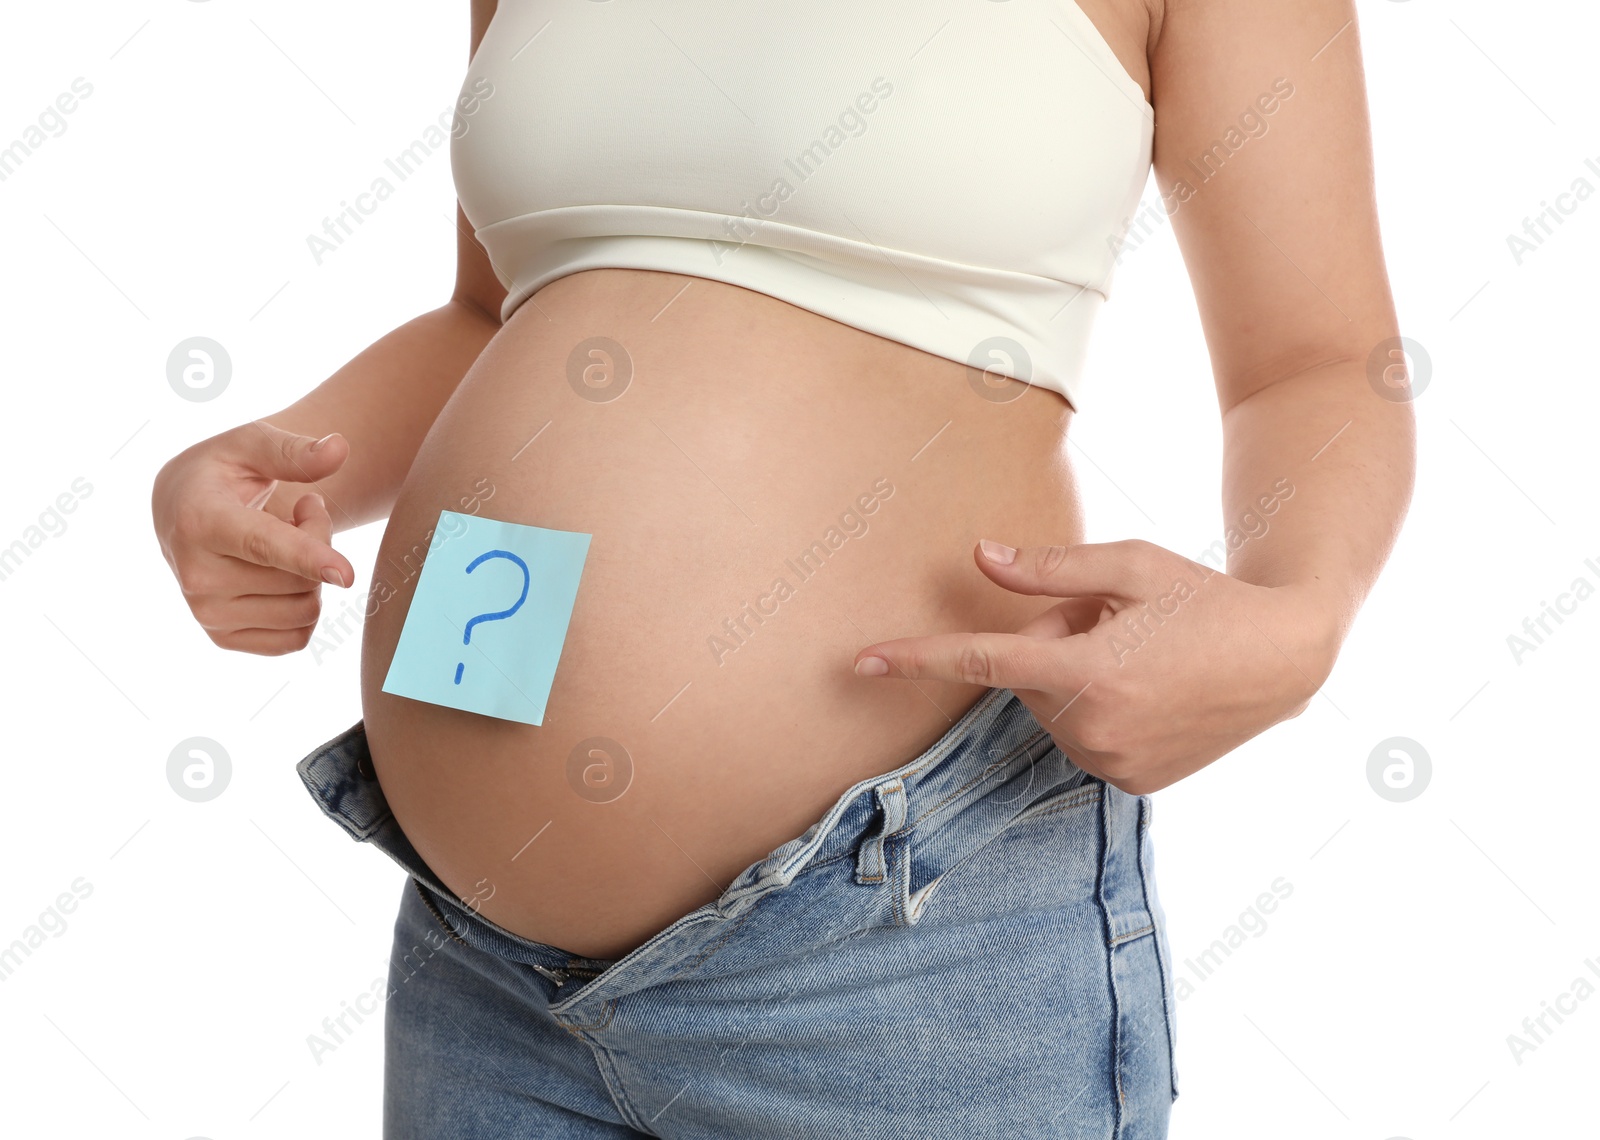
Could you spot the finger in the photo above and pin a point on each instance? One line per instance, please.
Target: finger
(246, 579)
(999, 660)
(275, 453)
(311, 516)
(260, 611)
(1130, 569)
(1073, 616)
(266, 642)
(264, 540)
(207, 576)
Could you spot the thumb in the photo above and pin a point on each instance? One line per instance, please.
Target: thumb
(1126, 570)
(274, 453)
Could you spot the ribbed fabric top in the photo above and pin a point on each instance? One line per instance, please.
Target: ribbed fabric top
(954, 175)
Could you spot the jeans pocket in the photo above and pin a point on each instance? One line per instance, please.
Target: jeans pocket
(920, 862)
(1077, 794)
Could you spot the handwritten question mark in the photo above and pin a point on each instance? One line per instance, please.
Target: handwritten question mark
(466, 637)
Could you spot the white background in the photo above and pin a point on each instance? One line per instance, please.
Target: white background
(177, 1001)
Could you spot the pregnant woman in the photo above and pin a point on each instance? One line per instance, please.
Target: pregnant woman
(837, 823)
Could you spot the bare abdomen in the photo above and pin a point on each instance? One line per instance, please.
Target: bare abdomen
(763, 501)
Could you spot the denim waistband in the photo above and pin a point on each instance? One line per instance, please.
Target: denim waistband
(993, 764)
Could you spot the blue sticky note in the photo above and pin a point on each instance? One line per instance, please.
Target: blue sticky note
(489, 617)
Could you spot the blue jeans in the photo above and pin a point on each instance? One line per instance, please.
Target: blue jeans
(967, 946)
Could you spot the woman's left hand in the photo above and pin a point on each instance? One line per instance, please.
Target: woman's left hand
(1151, 668)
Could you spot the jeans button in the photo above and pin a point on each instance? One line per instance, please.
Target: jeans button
(364, 766)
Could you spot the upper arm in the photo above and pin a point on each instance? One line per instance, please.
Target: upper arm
(476, 283)
(1263, 156)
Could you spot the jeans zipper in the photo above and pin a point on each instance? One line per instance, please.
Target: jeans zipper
(561, 975)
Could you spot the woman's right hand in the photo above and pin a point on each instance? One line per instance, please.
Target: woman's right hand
(252, 579)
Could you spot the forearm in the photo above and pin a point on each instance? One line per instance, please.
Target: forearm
(1317, 477)
(383, 401)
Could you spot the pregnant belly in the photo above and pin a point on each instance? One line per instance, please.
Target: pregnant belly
(770, 492)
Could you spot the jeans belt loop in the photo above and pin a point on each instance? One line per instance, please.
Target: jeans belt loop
(870, 865)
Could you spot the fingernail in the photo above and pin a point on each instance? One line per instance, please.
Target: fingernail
(318, 445)
(998, 551)
(871, 667)
(332, 576)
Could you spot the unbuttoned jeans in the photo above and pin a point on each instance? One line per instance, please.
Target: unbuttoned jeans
(968, 946)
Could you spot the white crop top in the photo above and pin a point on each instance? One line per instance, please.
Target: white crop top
(954, 175)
